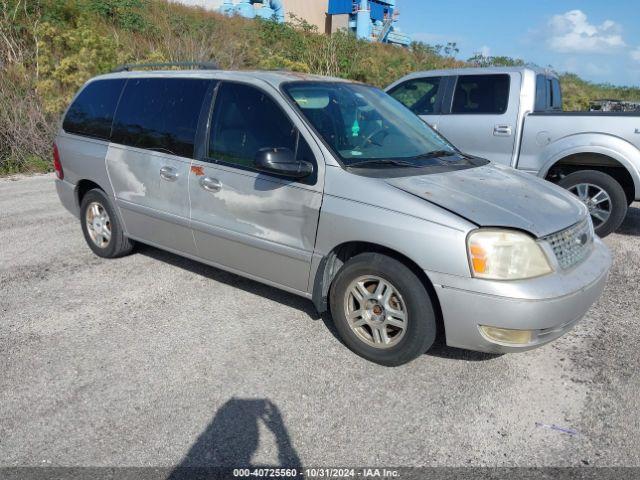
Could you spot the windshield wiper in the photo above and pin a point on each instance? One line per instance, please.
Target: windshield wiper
(436, 153)
(383, 161)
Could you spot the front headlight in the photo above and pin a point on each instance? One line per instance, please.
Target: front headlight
(505, 255)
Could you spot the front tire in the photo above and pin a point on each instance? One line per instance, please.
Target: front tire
(602, 194)
(101, 228)
(381, 310)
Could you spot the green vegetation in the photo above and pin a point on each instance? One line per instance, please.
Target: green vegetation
(49, 48)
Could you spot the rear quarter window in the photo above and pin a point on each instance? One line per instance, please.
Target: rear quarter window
(91, 113)
(160, 114)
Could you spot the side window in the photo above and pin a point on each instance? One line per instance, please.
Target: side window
(419, 95)
(556, 95)
(481, 94)
(160, 114)
(542, 103)
(91, 113)
(244, 120)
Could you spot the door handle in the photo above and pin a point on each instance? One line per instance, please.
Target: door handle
(169, 174)
(502, 130)
(210, 184)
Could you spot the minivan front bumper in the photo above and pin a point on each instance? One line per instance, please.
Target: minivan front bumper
(549, 306)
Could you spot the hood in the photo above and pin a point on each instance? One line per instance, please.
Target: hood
(498, 196)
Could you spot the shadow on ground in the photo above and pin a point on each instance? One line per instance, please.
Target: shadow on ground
(233, 437)
(231, 279)
(439, 349)
(631, 224)
(442, 350)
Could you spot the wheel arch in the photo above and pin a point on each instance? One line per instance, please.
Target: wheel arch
(331, 264)
(618, 158)
(83, 186)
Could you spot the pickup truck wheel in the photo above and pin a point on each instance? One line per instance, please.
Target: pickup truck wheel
(603, 196)
(100, 226)
(382, 310)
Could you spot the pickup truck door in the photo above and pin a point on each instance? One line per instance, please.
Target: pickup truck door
(253, 223)
(423, 96)
(480, 115)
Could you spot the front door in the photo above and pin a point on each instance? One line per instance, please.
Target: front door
(423, 96)
(150, 155)
(481, 119)
(250, 222)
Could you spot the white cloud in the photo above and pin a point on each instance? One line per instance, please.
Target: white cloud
(571, 32)
(635, 54)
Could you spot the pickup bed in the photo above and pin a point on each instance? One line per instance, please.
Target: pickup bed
(513, 116)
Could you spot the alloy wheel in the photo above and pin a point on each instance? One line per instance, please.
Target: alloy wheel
(98, 224)
(376, 311)
(596, 199)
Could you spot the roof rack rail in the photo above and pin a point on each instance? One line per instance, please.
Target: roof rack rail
(139, 66)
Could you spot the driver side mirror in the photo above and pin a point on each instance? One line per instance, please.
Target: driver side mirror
(281, 161)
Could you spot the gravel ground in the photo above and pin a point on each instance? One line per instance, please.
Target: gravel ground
(155, 360)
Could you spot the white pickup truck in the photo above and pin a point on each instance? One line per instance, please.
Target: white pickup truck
(513, 116)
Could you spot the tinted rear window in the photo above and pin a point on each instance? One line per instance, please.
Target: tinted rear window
(542, 101)
(91, 113)
(160, 114)
(488, 94)
(556, 95)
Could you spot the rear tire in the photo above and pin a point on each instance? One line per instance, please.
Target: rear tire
(602, 194)
(381, 310)
(101, 228)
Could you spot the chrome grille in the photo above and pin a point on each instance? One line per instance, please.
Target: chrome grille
(571, 245)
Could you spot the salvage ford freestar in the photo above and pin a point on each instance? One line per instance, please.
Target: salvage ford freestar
(334, 191)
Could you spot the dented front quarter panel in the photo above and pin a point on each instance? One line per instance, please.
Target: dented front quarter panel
(361, 209)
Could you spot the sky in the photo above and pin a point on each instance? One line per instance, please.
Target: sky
(599, 40)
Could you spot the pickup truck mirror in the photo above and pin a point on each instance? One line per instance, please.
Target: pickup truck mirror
(281, 161)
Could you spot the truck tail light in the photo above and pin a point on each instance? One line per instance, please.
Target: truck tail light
(57, 166)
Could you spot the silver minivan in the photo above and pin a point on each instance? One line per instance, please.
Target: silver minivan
(334, 191)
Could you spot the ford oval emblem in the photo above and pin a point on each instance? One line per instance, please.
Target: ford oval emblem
(582, 239)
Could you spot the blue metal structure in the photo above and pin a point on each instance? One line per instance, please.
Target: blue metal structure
(270, 9)
(372, 20)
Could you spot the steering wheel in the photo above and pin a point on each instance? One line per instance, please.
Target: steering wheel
(369, 138)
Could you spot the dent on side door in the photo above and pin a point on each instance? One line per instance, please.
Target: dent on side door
(254, 224)
(151, 192)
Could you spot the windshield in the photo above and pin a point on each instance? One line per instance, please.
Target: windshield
(365, 125)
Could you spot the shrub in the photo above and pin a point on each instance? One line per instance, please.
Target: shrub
(126, 14)
(49, 48)
(26, 129)
(67, 58)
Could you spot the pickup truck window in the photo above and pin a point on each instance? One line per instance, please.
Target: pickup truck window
(542, 102)
(556, 95)
(481, 94)
(548, 94)
(418, 95)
